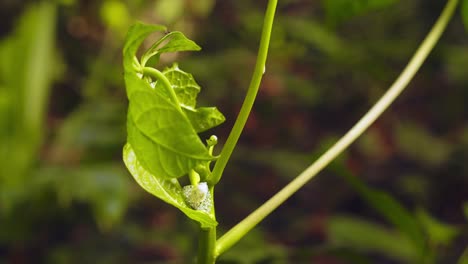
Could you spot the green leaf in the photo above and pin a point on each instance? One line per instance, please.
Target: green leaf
(171, 42)
(184, 86)
(361, 235)
(135, 36)
(166, 190)
(187, 89)
(115, 15)
(464, 13)
(204, 118)
(162, 136)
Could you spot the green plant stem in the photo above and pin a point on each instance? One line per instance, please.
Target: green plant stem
(250, 97)
(238, 231)
(159, 76)
(206, 246)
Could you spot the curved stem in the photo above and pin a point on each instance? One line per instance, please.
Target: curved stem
(159, 76)
(250, 97)
(238, 231)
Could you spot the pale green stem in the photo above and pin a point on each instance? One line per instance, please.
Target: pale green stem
(206, 244)
(159, 76)
(238, 231)
(250, 97)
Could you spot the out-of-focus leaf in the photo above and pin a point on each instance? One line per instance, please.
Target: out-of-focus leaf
(455, 58)
(358, 234)
(103, 186)
(254, 248)
(203, 7)
(91, 126)
(171, 42)
(464, 257)
(389, 208)
(464, 13)
(286, 163)
(340, 10)
(438, 233)
(5, 105)
(26, 73)
(420, 145)
(169, 10)
(67, 2)
(167, 190)
(317, 36)
(115, 15)
(415, 185)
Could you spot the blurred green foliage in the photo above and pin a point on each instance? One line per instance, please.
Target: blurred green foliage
(401, 193)
(464, 12)
(26, 75)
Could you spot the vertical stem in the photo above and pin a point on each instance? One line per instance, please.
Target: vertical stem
(251, 94)
(207, 239)
(206, 246)
(242, 228)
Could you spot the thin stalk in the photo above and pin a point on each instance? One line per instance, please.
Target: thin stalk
(238, 231)
(250, 96)
(159, 76)
(206, 246)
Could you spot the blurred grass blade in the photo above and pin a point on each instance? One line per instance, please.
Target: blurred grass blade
(26, 74)
(361, 235)
(340, 10)
(439, 233)
(389, 208)
(464, 13)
